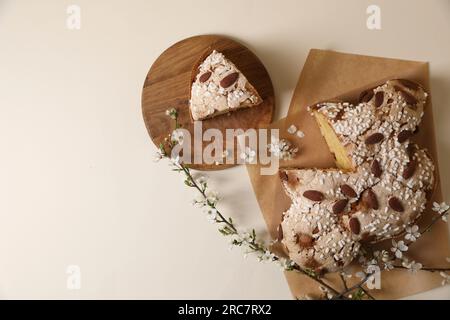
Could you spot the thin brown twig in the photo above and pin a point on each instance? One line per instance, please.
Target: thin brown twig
(366, 292)
(343, 281)
(433, 221)
(202, 192)
(317, 279)
(352, 288)
(424, 268)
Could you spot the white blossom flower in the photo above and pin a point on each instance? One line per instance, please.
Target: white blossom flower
(282, 149)
(246, 236)
(362, 275)
(226, 153)
(388, 265)
(385, 259)
(267, 256)
(202, 180)
(177, 136)
(172, 112)
(158, 156)
(212, 197)
(199, 201)
(274, 147)
(285, 263)
(382, 255)
(327, 292)
(398, 248)
(412, 233)
(413, 266)
(300, 134)
(211, 215)
(211, 219)
(440, 207)
(248, 155)
(175, 161)
(292, 129)
(446, 277)
(369, 263)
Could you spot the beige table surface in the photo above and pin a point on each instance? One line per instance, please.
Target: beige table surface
(77, 181)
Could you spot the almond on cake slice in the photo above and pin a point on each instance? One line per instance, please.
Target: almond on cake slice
(219, 87)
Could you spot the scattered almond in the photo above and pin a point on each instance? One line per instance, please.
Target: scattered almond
(370, 199)
(410, 169)
(396, 204)
(204, 77)
(374, 138)
(313, 195)
(304, 240)
(348, 191)
(229, 80)
(379, 99)
(354, 225)
(339, 206)
(375, 168)
(404, 135)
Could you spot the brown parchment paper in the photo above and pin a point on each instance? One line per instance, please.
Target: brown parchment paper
(329, 75)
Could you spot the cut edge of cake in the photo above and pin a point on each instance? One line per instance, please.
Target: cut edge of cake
(335, 145)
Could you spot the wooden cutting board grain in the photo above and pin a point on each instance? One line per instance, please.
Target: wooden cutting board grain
(167, 85)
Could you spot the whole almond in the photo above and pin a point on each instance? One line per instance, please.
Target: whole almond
(367, 237)
(374, 138)
(313, 195)
(375, 168)
(366, 96)
(410, 169)
(280, 233)
(229, 80)
(312, 264)
(409, 98)
(409, 84)
(370, 199)
(354, 225)
(304, 240)
(339, 206)
(204, 77)
(283, 176)
(348, 191)
(396, 204)
(379, 99)
(411, 150)
(404, 135)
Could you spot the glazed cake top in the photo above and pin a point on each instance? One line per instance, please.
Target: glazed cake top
(220, 87)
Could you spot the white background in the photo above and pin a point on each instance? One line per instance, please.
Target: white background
(77, 181)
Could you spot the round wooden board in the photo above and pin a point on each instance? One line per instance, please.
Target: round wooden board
(167, 85)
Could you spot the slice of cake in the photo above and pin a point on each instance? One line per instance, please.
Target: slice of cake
(219, 87)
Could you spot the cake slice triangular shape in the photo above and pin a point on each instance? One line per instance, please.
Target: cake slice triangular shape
(220, 87)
